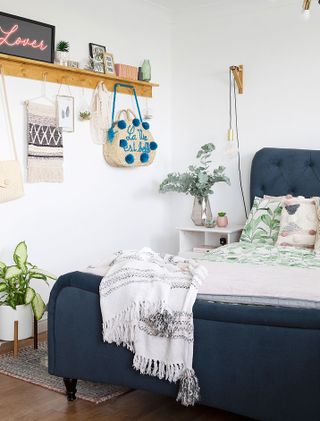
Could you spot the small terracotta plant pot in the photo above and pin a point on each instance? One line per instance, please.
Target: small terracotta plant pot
(222, 220)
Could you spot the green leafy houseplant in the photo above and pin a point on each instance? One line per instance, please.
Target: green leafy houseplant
(84, 115)
(63, 46)
(199, 179)
(15, 282)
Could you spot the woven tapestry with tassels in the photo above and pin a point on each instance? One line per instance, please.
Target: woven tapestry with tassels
(45, 144)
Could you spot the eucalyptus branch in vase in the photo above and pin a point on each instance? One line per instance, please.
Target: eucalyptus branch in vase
(198, 182)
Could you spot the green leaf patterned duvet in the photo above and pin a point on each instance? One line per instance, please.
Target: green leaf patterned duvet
(264, 255)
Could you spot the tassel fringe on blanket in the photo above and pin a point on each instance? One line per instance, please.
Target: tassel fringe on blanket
(146, 304)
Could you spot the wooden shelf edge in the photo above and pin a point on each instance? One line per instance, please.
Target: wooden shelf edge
(38, 70)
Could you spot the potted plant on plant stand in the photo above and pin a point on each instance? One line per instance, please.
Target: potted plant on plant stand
(198, 182)
(18, 301)
(62, 53)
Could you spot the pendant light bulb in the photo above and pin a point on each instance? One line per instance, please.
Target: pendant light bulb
(306, 14)
(306, 9)
(231, 150)
(230, 134)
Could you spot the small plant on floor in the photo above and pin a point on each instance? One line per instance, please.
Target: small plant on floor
(63, 46)
(15, 281)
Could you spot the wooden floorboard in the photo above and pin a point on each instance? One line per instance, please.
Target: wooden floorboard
(22, 401)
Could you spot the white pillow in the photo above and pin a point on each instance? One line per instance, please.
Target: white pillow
(298, 223)
(317, 243)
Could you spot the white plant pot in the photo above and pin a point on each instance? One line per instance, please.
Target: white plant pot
(62, 57)
(8, 315)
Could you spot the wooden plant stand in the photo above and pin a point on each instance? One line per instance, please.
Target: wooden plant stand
(16, 336)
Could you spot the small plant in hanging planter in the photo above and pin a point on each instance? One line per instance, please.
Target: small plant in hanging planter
(18, 300)
(198, 182)
(62, 53)
(84, 115)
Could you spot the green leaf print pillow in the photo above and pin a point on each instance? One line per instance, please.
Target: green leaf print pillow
(263, 223)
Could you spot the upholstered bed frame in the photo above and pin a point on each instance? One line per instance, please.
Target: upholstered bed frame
(261, 362)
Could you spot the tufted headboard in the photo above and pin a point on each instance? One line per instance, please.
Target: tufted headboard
(278, 172)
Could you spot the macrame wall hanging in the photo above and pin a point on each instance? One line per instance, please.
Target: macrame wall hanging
(45, 143)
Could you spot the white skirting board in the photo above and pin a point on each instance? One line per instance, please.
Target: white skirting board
(42, 326)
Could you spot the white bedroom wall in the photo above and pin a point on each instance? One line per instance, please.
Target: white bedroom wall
(279, 107)
(97, 209)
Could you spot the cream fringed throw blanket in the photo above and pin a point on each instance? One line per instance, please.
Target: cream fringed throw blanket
(146, 304)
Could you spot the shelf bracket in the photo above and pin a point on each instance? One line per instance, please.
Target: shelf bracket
(237, 72)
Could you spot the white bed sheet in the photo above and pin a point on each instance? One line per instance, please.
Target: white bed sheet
(241, 283)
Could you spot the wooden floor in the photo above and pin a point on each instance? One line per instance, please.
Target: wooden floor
(26, 402)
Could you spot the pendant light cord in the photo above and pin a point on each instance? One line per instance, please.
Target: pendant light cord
(230, 100)
(238, 143)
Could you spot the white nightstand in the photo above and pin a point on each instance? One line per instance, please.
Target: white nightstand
(190, 237)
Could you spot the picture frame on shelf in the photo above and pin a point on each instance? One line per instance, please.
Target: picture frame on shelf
(109, 66)
(73, 63)
(97, 54)
(26, 38)
(65, 112)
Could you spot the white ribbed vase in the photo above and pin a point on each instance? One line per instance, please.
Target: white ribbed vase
(8, 315)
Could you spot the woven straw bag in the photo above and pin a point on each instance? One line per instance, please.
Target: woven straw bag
(132, 145)
(130, 142)
(11, 183)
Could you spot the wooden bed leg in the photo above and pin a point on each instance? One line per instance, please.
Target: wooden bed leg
(15, 338)
(71, 388)
(35, 333)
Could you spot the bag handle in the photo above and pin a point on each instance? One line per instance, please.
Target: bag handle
(129, 111)
(124, 85)
(9, 115)
(126, 116)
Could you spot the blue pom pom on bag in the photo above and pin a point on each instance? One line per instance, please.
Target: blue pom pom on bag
(130, 142)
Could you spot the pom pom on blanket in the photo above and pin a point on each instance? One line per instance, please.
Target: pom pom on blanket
(162, 323)
(189, 390)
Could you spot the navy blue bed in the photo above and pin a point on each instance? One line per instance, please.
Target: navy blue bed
(261, 362)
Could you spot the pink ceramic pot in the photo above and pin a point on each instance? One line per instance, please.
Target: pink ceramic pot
(222, 221)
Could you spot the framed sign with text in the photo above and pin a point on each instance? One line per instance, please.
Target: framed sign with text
(26, 38)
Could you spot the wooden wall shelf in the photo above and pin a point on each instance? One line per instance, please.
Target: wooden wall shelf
(37, 70)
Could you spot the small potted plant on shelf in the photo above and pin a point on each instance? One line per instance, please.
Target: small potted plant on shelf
(62, 53)
(18, 301)
(198, 182)
(222, 220)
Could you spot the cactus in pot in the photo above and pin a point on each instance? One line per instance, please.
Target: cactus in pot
(62, 53)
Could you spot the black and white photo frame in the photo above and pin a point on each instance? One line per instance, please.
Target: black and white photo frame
(109, 66)
(97, 55)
